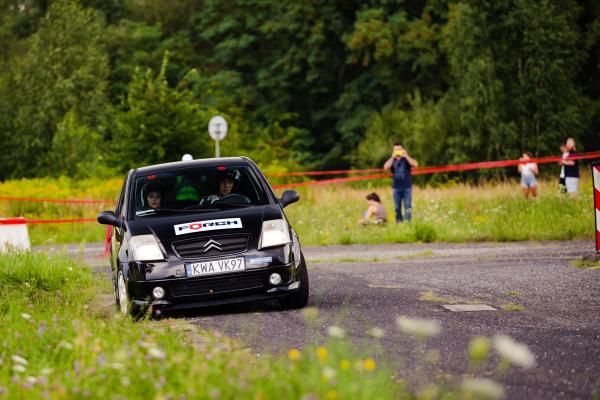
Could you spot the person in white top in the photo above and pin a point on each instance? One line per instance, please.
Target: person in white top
(528, 172)
(562, 188)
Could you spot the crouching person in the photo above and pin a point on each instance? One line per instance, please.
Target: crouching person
(375, 212)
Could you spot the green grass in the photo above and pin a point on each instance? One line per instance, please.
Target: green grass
(586, 264)
(61, 188)
(51, 317)
(461, 213)
(327, 215)
(512, 307)
(514, 293)
(433, 298)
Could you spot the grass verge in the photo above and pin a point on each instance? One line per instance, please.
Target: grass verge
(57, 345)
(586, 264)
(512, 307)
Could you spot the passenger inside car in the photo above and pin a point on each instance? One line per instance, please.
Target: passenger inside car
(153, 195)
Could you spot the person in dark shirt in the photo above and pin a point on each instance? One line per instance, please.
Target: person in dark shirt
(571, 168)
(400, 163)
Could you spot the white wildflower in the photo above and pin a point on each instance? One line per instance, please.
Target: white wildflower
(376, 332)
(116, 365)
(25, 316)
(65, 345)
(18, 368)
(19, 360)
(46, 371)
(418, 327)
(31, 379)
(483, 388)
(336, 331)
(156, 353)
(328, 373)
(513, 351)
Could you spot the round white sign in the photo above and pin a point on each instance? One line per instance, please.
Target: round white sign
(217, 128)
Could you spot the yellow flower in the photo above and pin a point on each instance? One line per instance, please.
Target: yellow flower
(322, 354)
(294, 354)
(331, 394)
(345, 364)
(369, 364)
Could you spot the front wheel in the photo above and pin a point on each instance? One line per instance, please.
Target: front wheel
(300, 298)
(123, 297)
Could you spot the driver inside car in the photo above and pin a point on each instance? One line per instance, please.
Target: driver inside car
(226, 182)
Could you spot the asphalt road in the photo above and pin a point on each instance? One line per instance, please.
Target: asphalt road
(359, 287)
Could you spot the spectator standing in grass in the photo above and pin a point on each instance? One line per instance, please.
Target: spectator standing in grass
(400, 163)
(571, 169)
(562, 188)
(528, 172)
(375, 213)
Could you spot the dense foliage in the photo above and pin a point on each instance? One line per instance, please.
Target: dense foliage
(311, 84)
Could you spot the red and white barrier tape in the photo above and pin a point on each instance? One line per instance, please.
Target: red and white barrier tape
(443, 168)
(72, 201)
(21, 220)
(596, 183)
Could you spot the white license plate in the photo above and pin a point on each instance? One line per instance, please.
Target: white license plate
(216, 267)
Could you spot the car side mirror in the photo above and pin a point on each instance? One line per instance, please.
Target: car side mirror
(288, 197)
(109, 218)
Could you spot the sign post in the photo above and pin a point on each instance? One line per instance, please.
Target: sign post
(217, 129)
(596, 183)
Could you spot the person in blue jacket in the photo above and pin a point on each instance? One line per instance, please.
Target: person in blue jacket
(400, 163)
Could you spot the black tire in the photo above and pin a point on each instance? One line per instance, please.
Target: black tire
(124, 304)
(115, 292)
(300, 298)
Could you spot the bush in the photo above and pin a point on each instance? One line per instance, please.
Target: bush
(424, 232)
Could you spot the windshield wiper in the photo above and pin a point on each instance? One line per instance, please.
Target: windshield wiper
(153, 211)
(146, 212)
(226, 203)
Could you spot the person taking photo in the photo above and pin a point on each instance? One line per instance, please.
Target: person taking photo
(400, 164)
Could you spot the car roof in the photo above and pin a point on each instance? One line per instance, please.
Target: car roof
(202, 162)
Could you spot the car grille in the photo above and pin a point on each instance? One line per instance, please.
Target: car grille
(217, 285)
(211, 246)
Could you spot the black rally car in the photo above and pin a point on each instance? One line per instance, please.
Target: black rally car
(200, 233)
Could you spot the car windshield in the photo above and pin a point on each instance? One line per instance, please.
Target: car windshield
(198, 188)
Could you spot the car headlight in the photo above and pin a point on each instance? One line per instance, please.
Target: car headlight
(274, 233)
(145, 248)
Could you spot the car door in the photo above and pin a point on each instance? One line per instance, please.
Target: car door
(118, 232)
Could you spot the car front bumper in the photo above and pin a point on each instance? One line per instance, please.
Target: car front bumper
(206, 291)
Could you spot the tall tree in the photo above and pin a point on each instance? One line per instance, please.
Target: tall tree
(514, 64)
(158, 123)
(64, 69)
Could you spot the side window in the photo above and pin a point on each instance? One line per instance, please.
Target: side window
(124, 203)
(120, 210)
(120, 200)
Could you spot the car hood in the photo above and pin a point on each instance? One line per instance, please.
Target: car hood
(171, 228)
